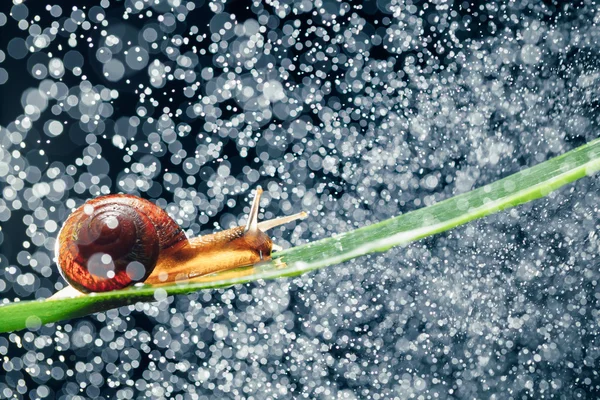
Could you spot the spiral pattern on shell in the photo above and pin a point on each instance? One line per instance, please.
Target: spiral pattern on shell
(114, 241)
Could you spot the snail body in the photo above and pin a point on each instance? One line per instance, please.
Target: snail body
(114, 241)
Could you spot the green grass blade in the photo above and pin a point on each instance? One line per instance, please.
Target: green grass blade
(516, 189)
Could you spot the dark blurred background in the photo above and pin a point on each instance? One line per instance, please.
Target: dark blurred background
(471, 92)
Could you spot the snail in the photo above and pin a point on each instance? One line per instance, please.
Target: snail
(114, 241)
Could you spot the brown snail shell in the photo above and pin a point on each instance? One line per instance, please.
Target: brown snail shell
(114, 241)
